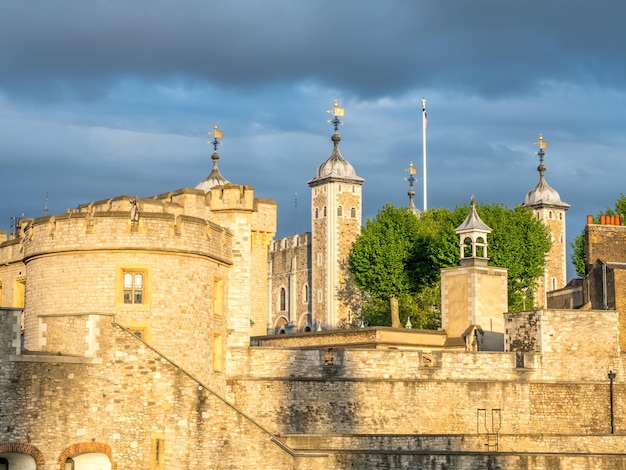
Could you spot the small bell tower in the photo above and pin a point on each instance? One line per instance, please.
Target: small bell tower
(474, 295)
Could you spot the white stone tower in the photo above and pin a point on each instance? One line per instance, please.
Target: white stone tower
(335, 224)
(548, 207)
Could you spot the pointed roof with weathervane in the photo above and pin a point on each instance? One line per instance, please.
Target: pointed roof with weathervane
(543, 194)
(335, 167)
(215, 178)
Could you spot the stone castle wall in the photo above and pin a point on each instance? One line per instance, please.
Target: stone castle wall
(59, 403)
(290, 266)
(605, 242)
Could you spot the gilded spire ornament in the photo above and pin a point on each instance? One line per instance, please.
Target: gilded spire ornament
(336, 112)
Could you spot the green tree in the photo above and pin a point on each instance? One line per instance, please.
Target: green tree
(398, 258)
(578, 245)
(380, 257)
(520, 243)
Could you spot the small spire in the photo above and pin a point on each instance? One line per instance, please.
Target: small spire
(215, 178)
(411, 179)
(542, 144)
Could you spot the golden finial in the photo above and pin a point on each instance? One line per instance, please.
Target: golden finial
(217, 134)
(543, 145)
(336, 112)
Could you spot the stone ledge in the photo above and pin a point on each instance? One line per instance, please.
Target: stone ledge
(55, 358)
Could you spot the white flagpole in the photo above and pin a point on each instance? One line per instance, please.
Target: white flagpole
(424, 126)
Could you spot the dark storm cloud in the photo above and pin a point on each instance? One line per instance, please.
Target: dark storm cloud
(77, 48)
(104, 98)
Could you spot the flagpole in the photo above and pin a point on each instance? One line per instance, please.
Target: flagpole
(424, 126)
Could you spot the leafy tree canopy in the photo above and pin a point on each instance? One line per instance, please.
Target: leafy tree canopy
(380, 257)
(399, 256)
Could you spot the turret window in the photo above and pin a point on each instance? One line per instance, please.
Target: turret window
(283, 299)
(133, 288)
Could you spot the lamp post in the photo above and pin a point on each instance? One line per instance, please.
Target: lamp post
(611, 377)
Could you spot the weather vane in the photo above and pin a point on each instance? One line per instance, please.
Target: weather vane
(412, 171)
(542, 144)
(217, 134)
(336, 112)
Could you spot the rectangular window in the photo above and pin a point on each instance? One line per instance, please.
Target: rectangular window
(218, 353)
(157, 453)
(218, 296)
(133, 287)
(19, 292)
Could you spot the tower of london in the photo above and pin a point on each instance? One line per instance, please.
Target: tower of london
(147, 333)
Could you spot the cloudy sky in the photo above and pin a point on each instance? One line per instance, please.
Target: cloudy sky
(106, 98)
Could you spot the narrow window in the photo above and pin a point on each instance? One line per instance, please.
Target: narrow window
(19, 292)
(218, 297)
(69, 464)
(324, 211)
(317, 213)
(283, 299)
(218, 353)
(353, 212)
(339, 187)
(133, 288)
(554, 283)
(157, 456)
(4, 464)
(339, 211)
(305, 293)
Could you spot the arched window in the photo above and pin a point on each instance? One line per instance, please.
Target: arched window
(305, 293)
(480, 247)
(339, 211)
(69, 464)
(353, 212)
(283, 299)
(467, 247)
(4, 464)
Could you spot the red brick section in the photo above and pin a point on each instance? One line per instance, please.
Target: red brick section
(23, 448)
(82, 448)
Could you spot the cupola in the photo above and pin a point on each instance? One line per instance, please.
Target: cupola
(473, 238)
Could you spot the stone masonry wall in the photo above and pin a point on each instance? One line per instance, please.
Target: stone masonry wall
(56, 405)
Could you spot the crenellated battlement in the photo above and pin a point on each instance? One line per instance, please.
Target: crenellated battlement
(292, 241)
(231, 197)
(91, 228)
